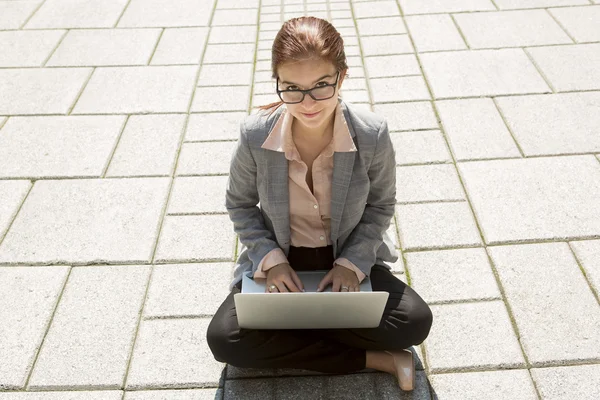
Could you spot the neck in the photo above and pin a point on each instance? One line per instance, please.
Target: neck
(317, 134)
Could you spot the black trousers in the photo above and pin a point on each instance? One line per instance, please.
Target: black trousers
(406, 321)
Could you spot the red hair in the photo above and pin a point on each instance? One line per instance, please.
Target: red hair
(306, 38)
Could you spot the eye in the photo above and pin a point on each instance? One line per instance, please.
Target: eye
(291, 88)
(323, 82)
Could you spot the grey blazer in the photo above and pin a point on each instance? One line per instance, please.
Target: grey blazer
(363, 194)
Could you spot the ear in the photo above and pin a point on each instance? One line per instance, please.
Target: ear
(342, 76)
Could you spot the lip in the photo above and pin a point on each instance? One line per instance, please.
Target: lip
(311, 115)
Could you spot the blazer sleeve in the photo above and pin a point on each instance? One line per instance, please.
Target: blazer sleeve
(361, 246)
(241, 198)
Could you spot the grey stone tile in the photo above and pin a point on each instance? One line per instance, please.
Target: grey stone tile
(137, 90)
(28, 295)
(144, 13)
(249, 389)
(481, 338)
(399, 89)
(80, 14)
(420, 147)
(349, 84)
(588, 253)
(180, 46)
(225, 74)
(205, 158)
(148, 146)
(535, 198)
(12, 194)
(492, 385)
(105, 47)
(435, 32)
(263, 99)
(14, 13)
(385, 8)
(233, 4)
(173, 290)
(87, 220)
(237, 373)
(40, 90)
(481, 73)
(383, 45)
(380, 26)
(475, 129)
(428, 183)
(173, 352)
(196, 238)
(510, 29)
(234, 34)
(574, 382)
(96, 343)
(214, 126)
(583, 23)
(408, 116)
(229, 53)
(573, 67)
(297, 388)
(222, 98)
(54, 146)
(436, 225)
(452, 275)
(198, 194)
(386, 66)
(27, 48)
(175, 394)
(60, 395)
(513, 4)
(355, 96)
(441, 6)
(554, 124)
(235, 17)
(529, 274)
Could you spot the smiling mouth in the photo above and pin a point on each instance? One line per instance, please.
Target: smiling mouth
(311, 114)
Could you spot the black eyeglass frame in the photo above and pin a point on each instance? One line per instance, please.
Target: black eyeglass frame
(307, 91)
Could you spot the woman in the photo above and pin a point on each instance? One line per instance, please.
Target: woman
(318, 211)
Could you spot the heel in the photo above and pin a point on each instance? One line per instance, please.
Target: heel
(404, 365)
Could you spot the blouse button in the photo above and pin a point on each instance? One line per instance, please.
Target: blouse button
(322, 237)
(315, 206)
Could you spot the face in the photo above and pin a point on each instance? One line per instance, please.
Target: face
(307, 74)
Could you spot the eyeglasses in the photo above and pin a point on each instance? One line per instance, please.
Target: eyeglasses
(318, 93)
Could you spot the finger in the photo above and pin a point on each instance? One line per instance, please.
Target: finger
(297, 281)
(352, 289)
(289, 282)
(324, 282)
(281, 287)
(337, 284)
(275, 290)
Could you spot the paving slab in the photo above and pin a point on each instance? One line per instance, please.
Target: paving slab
(157, 13)
(569, 67)
(510, 29)
(222, 98)
(13, 14)
(387, 66)
(508, 4)
(582, 23)
(198, 194)
(230, 74)
(173, 353)
(229, 53)
(588, 254)
(554, 124)
(79, 14)
(435, 32)
(27, 48)
(389, 25)
(173, 290)
(492, 385)
(475, 73)
(399, 89)
(534, 199)
(105, 47)
(205, 158)
(574, 382)
(49, 147)
(214, 126)
(355, 96)
(529, 274)
(385, 8)
(148, 146)
(87, 220)
(441, 6)
(12, 193)
(178, 394)
(235, 17)
(452, 275)
(421, 147)
(40, 91)
(385, 45)
(180, 46)
(422, 183)
(96, 343)
(235, 34)
(408, 116)
(436, 225)
(472, 336)
(196, 238)
(29, 296)
(64, 395)
(475, 129)
(121, 90)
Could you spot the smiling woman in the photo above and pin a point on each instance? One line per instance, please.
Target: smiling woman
(324, 173)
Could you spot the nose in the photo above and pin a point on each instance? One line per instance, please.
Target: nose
(308, 102)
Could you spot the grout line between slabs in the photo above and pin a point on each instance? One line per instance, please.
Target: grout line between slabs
(584, 273)
(160, 35)
(62, 38)
(115, 146)
(548, 11)
(121, 15)
(36, 9)
(508, 128)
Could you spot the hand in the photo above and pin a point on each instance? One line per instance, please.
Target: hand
(285, 278)
(340, 276)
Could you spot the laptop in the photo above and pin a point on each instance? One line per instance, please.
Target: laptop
(310, 309)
